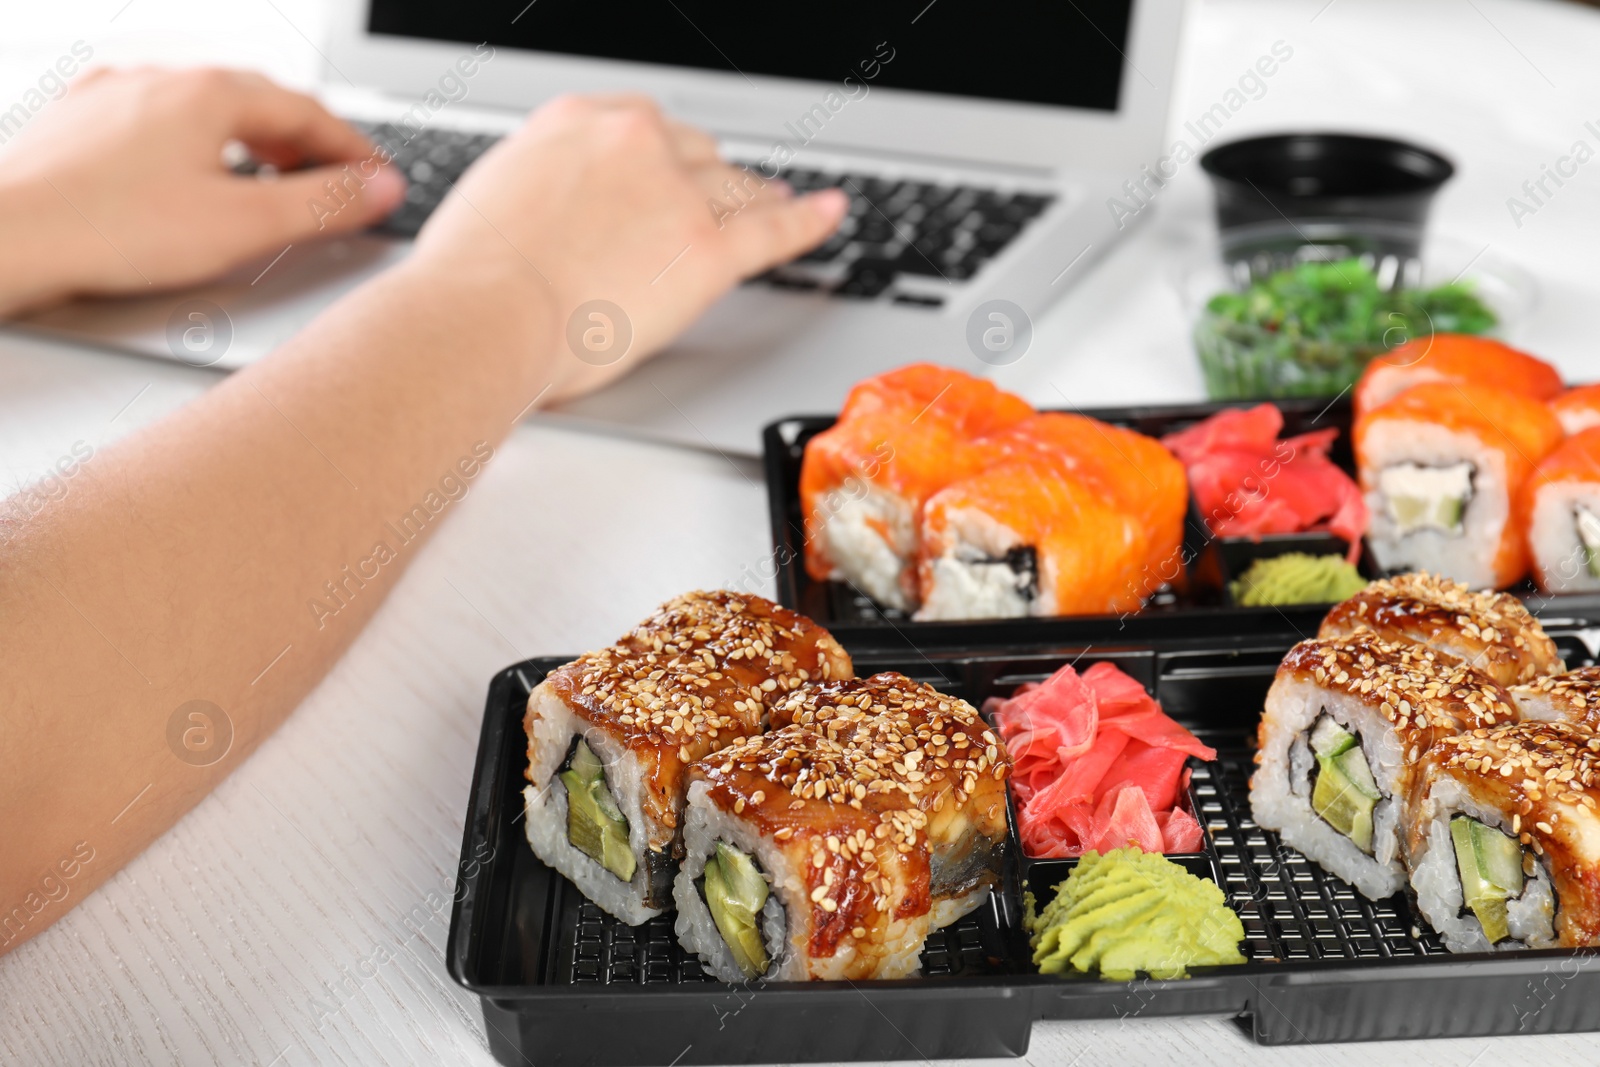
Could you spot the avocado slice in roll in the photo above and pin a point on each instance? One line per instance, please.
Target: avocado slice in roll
(595, 826)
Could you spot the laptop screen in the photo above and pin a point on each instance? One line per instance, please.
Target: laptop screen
(1066, 53)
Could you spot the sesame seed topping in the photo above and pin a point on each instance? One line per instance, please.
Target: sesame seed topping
(1494, 631)
(1411, 685)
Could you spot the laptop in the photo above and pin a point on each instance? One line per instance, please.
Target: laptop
(981, 145)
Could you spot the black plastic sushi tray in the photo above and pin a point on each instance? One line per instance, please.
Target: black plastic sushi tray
(1200, 601)
(563, 983)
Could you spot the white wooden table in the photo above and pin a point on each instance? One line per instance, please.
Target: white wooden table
(246, 934)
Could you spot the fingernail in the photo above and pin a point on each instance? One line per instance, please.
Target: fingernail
(830, 203)
(781, 188)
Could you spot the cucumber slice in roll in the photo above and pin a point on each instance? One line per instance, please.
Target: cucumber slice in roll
(1490, 865)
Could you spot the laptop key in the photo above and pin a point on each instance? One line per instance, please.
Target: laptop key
(828, 249)
(867, 278)
(1030, 203)
(876, 229)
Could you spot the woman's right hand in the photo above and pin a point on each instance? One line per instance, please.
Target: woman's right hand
(603, 198)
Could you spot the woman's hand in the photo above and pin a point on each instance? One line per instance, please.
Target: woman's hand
(120, 186)
(605, 199)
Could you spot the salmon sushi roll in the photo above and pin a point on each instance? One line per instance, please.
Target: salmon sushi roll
(1020, 539)
(611, 734)
(1442, 466)
(1578, 408)
(1561, 506)
(1135, 471)
(1346, 721)
(900, 438)
(1454, 357)
(1504, 841)
(1492, 631)
(829, 848)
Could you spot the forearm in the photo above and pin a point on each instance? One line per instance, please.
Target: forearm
(230, 553)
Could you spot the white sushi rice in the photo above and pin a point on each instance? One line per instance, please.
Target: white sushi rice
(783, 917)
(968, 581)
(1467, 555)
(1280, 789)
(1436, 879)
(851, 537)
(1576, 420)
(554, 726)
(1560, 558)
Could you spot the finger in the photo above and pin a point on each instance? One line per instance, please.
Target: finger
(320, 201)
(770, 231)
(288, 124)
(693, 145)
(630, 101)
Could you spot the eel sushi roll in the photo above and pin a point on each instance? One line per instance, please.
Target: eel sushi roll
(1505, 838)
(1572, 697)
(1441, 466)
(1562, 507)
(1346, 721)
(831, 847)
(1454, 357)
(1020, 539)
(900, 438)
(1492, 631)
(611, 734)
(1578, 408)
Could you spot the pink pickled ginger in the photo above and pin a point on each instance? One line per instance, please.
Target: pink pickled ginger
(1247, 483)
(1096, 764)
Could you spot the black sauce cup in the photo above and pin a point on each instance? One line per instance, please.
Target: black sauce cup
(1304, 177)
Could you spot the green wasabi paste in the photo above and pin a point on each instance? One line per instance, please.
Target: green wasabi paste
(1297, 578)
(1128, 912)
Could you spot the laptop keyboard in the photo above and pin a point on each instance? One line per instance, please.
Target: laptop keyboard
(897, 230)
(432, 160)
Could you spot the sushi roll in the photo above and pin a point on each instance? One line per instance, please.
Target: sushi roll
(1020, 540)
(1492, 631)
(1454, 357)
(1137, 472)
(1578, 408)
(1505, 838)
(831, 847)
(1572, 697)
(959, 778)
(1346, 720)
(1442, 465)
(900, 438)
(611, 734)
(1561, 506)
